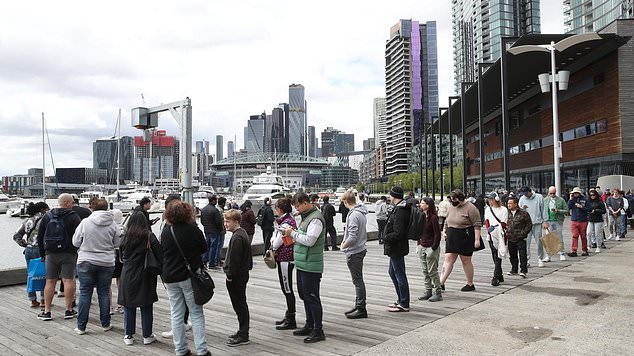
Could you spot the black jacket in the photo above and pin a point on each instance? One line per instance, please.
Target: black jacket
(192, 242)
(71, 221)
(211, 219)
(81, 211)
(268, 217)
(395, 239)
(343, 211)
(595, 209)
(247, 222)
(138, 289)
(328, 212)
(238, 260)
(139, 209)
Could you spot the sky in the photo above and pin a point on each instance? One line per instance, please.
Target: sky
(79, 62)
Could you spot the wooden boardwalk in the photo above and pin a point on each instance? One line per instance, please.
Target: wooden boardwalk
(22, 334)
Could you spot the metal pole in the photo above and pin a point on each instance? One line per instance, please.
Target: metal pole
(462, 130)
(186, 165)
(451, 148)
(426, 160)
(43, 162)
(433, 162)
(505, 117)
(440, 147)
(556, 143)
(481, 128)
(420, 145)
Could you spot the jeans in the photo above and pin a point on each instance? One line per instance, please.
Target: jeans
(578, 229)
(399, 278)
(536, 233)
(518, 248)
(91, 276)
(617, 224)
(429, 265)
(595, 233)
(556, 227)
(497, 262)
(355, 265)
(381, 226)
(216, 248)
(285, 275)
(332, 232)
(181, 294)
(308, 288)
(210, 239)
(238, 294)
(266, 236)
(29, 254)
(129, 320)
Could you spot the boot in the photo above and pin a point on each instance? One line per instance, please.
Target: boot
(351, 310)
(280, 322)
(426, 296)
(289, 323)
(359, 313)
(315, 336)
(304, 331)
(436, 297)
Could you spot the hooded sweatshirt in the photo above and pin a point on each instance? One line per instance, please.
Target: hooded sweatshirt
(534, 207)
(355, 232)
(96, 238)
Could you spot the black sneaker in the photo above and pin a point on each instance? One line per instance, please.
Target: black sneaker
(495, 282)
(44, 316)
(305, 331)
(572, 254)
(468, 288)
(603, 245)
(594, 245)
(69, 314)
(240, 340)
(585, 253)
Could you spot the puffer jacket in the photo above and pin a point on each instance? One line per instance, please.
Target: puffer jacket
(519, 225)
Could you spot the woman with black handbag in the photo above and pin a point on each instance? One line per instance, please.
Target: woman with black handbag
(495, 220)
(182, 234)
(142, 257)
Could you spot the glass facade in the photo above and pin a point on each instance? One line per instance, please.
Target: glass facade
(104, 156)
(297, 129)
(582, 16)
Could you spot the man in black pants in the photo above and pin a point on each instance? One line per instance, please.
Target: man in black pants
(328, 212)
(238, 262)
(268, 220)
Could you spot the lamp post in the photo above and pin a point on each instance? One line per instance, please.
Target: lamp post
(440, 147)
(553, 78)
(451, 149)
(463, 89)
(481, 68)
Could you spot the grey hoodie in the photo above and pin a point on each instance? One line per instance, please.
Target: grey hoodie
(96, 237)
(356, 230)
(534, 207)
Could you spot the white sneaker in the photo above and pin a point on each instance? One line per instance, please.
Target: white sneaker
(106, 328)
(167, 334)
(79, 332)
(149, 340)
(598, 250)
(540, 264)
(528, 264)
(618, 238)
(610, 237)
(188, 326)
(546, 259)
(562, 257)
(129, 340)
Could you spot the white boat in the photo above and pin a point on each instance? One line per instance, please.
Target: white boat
(201, 197)
(265, 185)
(85, 197)
(7, 203)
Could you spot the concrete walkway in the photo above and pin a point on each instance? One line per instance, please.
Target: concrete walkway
(586, 308)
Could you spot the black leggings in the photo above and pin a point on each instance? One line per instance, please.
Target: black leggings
(285, 275)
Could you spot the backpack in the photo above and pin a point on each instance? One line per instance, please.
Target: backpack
(260, 218)
(416, 223)
(55, 235)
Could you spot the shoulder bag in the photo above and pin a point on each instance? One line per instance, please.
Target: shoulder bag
(151, 265)
(202, 284)
(269, 258)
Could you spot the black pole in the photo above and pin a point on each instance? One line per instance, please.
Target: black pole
(451, 148)
(440, 147)
(420, 145)
(433, 162)
(505, 112)
(426, 159)
(481, 67)
(463, 89)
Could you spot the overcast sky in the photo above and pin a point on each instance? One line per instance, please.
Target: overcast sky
(80, 61)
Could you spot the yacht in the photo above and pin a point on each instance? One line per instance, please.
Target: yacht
(265, 185)
(201, 197)
(84, 197)
(7, 203)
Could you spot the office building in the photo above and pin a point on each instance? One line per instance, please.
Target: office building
(104, 156)
(478, 27)
(219, 148)
(297, 128)
(312, 142)
(411, 88)
(156, 157)
(254, 138)
(230, 149)
(81, 175)
(379, 121)
(590, 16)
(369, 144)
(274, 132)
(334, 142)
(202, 160)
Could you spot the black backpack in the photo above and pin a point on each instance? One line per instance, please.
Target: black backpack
(55, 239)
(416, 223)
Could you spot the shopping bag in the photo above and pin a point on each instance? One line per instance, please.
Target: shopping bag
(36, 278)
(551, 242)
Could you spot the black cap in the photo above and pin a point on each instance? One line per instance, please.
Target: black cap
(524, 190)
(397, 192)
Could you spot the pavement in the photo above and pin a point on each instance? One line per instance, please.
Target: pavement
(586, 308)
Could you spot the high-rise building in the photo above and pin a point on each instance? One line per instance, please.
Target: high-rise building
(255, 133)
(104, 156)
(274, 132)
(369, 144)
(379, 121)
(219, 148)
(297, 128)
(478, 27)
(230, 149)
(590, 16)
(334, 142)
(312, 142)
(411, 88)
(162, 155)
(202, 160)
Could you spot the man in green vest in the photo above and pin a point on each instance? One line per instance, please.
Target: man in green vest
(309, 261)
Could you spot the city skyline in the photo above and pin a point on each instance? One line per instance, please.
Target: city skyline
(79, 79)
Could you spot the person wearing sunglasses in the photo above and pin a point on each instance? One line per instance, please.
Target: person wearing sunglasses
(596, 210)
(555, 208)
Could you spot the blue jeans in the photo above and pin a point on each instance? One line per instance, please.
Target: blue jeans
(29, 254)
(210, 239)
(399, 278)
(181, 294)
(308, 287)
(147, 318)
(535, 234)
(216, 248)
(91, 276)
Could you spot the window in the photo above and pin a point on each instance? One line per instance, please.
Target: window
(602, 126)
(568, 135)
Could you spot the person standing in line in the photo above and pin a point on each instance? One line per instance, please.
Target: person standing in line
(328, 212)
(354, 246)
(344, 213)
(248, 221)
(285, 261)
(54, 239)
(268, 219)
(308, 252)
(220, 244)
(138, 288)
(96, 238)
(462, 226)
(519, 225)
(533, 203)
(181, 228)
(238, 262)
(480, 203)
(396, 246)
(314, 199)
(381, 216)
(555, 208)
(144, 205)
(495, 221)
(443, 208)
(428, 251)
(211, 221)
(29, 230)
(117, 216)
(578, 221)
(596, 209)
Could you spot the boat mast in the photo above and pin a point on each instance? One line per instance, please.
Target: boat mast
(43, 162)
(235, 187)
(118, 148)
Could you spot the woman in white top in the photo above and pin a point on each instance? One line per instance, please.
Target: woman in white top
(495, 220)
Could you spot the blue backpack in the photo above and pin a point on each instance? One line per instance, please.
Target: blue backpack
(55, 236)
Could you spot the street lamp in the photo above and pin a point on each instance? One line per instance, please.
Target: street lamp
(553, 77)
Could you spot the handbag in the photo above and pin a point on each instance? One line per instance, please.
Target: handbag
(202, 284)
(468, 232)
(269, 258)
(36, 279)
(551, 242)
(151, 265)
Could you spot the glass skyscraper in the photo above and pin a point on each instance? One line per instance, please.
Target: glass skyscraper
(592, 15)
(411, 89)
(297, 127)
(104, 156)
(478, 27)
(255, 133)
